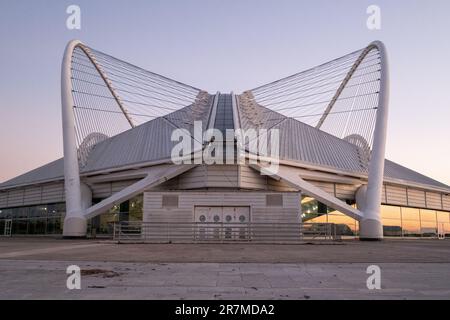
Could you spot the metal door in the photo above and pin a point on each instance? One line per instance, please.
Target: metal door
(236, 221)
(222, 223)
(243, 216)
(201, 217)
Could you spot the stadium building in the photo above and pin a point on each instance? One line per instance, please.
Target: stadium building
(118, 167)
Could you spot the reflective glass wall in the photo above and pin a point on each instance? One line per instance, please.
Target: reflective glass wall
(413, 222)
(49, 218)
(397, 221)
(130, 210)
(42, 219)
(316, 212)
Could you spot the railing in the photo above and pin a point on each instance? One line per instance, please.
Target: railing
(198, 232)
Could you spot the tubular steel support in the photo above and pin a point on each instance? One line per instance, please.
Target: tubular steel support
(370, 226)
(74, 222)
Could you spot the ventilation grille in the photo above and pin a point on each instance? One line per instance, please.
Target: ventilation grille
(170, 201)
(274, 200)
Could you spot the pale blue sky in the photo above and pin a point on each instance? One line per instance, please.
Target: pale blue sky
(225, 45)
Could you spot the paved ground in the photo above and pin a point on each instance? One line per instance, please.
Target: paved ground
(388, 251)
(410, 269)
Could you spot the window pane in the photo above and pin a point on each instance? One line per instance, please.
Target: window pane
(443, 216)
(19, 226)
(390, 212)
(345, 225)
(5, 214)
(136, 206)
(316, 219)
(54, 225)
(443, 223)
(392, 227)
(428, 223)
(427, 215)
(410, 222)
(20, 212)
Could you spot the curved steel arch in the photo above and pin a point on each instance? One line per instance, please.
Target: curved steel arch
(376, 45)
(370, 196)
(75, 224)
(371, 227)
(91, 57)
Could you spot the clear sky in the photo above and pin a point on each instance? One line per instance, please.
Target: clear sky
(225, 45)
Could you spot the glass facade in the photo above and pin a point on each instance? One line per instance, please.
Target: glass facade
(397, 221)
(410, 222)
(391, 218)
(42, 219)
(130, 210)
(49, 219)
(418, 222)
(316, 212)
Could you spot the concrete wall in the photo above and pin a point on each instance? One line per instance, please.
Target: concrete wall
(154, 211)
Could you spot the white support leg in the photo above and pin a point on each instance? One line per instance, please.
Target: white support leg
(370, 226)
(74, 223)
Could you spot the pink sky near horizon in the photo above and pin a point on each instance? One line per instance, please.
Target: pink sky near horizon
(194, 42)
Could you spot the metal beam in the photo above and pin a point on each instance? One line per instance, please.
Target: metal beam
(155, 177)
(371, 227)
(291, 176)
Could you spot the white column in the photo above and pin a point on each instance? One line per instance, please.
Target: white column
(74, 223)
(370, 225)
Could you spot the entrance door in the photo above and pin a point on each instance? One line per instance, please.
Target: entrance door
(201, 218)
(222, 223)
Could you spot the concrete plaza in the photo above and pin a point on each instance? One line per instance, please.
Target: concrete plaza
(35, 268)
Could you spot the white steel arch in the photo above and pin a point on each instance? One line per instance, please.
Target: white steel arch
(160, 95)
(316, 92)
(370, 196)
(74, 222)
(371, 227)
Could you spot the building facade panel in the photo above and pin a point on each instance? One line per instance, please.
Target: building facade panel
(53, 193)
(446, 202)
(15, 197)
(33, 195)
(383, 194)
(260, 211)
(433, 200)
(325, 186)
(396, 195)
(222, 176)
(3, 199)
(416, 198)
(345, 191)
(279, 186)
(251, 179)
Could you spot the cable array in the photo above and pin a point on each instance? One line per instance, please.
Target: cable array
(339, 97)
(112, 96)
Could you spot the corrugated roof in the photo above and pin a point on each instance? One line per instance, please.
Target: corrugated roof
(145, 143)
(148, 142)
(49, 172)
(396, 171)
(151, 142)
(301, 142)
